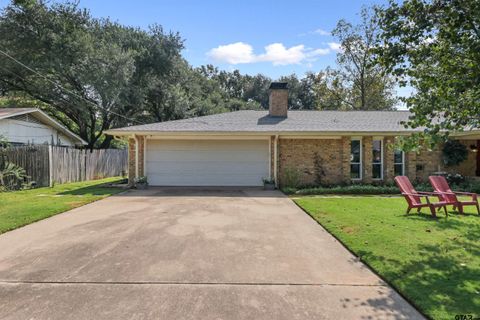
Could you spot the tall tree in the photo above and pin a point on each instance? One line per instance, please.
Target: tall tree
(358, 82)
(244, 91)
(434, 47)
(92, 73)
(301, 91)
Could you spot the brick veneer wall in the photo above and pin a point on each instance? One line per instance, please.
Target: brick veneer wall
(367, 143)
(299, 155)
(131, 158)
(427, 162)
(345, 153)
(388, 159)
(278, 102)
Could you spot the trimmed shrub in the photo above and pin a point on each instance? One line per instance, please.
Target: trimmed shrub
(351, 189)
(369, 189)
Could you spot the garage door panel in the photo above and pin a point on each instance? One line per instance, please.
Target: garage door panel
(211, 168)
(205, 156)
(207, 163)
(211, 145)
(205, 180)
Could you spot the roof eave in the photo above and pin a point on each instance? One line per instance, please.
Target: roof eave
(124, 133)
(18, 113)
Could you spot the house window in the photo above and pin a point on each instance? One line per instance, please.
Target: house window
(399, 163)
(377, 159)
(356, 159)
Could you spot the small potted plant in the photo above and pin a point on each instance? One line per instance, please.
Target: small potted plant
(268, 184)
(141, 183)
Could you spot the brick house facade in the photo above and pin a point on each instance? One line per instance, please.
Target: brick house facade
(327, 147)
(299, 155)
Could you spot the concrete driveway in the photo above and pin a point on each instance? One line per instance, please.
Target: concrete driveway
(177, 253)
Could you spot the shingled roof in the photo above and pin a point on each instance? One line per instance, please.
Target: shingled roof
(297, 121)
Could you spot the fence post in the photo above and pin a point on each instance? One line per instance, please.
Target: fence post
(85, 165)
(50, 165)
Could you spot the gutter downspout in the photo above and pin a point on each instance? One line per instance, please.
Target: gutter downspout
(275, 160)
(136, 155)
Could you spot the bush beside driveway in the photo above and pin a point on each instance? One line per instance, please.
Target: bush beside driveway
(20, 208)
(435, 263)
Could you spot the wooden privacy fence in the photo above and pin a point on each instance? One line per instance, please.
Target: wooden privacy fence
(34, 159)
(47, 165)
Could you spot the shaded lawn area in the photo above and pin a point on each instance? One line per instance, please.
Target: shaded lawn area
(19, 208)
(434, 263)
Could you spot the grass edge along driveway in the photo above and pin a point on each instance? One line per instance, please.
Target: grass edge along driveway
(434, 263)
(19, 208)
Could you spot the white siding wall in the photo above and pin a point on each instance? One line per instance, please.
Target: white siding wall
(18, 131)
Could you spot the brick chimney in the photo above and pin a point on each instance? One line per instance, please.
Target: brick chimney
(278, 99)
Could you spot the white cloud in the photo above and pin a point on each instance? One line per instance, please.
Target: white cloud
(233, 53)
(319, 52)
(335, 46)
(276, 53)
(279, 55)
(322, 32)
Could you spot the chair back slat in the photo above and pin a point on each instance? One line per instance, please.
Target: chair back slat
(440, 185)
(406, 186)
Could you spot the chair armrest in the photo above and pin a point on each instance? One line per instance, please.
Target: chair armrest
(465, 193)
(414, 194)
(417, 195)
(429, 193)
(444, 192)
(472, 194)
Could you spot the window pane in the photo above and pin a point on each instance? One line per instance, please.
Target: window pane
(398, 156)
(355, 151)
(355, 171)
(377, 171)
(398, 171)
(377, 151)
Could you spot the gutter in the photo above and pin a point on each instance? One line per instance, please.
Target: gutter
(275, 160)
(259, 133)
(136, 155)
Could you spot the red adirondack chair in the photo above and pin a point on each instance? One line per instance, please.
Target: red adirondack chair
(440, 185)
(414, 197)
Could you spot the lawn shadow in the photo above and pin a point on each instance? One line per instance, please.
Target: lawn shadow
(95, 190)
(387, 304)
(433, 279)
(456, 221)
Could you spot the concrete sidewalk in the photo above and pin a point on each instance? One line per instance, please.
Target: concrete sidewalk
(176, 253)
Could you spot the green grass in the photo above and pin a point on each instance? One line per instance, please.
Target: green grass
(435, 263)
(19, 208)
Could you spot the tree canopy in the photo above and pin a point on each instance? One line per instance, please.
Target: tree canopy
(358, 82)
(95, 74)
(434, 47)
(92, 73)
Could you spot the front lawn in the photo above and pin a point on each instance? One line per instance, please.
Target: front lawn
(19, 208)
(434, 263)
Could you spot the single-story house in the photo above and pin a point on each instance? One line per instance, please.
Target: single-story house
(241, 148)
(23, 126)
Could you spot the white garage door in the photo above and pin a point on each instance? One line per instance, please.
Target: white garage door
(207, 163)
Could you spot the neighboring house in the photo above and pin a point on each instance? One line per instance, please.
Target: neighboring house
(240, 148)
(22, 126)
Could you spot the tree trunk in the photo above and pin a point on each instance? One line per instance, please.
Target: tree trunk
(106, 142)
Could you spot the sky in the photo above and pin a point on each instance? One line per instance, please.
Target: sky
(270, 37)
(274, 38)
